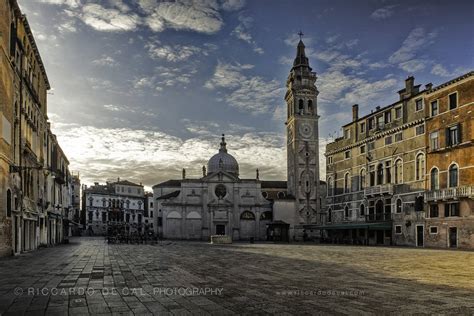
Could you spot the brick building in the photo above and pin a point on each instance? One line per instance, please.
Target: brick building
(450, 164)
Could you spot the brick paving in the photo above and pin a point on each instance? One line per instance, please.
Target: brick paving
(254, 278)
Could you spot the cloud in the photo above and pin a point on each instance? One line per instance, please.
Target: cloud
(137, 155)
(177, 52)
(108, 19)
(253, 94)
(203, 16)
(242, 32)
(383, 13)
(412, 46)
(105, 60)
(440, 70)
(199, 16)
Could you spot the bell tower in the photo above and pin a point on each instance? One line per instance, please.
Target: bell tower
(302, 138)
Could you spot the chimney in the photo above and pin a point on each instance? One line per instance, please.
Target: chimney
(184, 173)
(118, 179)
(409, 83)
(355, 112)
(429, 86)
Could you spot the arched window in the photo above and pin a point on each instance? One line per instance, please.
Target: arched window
(300, 106)
(346, 211)
(330, 186)
(346, 183)
(329, 215)
(310, 106)
(264, 194)
(362, 210)
(9, 203)
(434, 179)
(453, 176)
(362, 179)
(420, 166)
(247, 215)
(380, 174)
(398, 171)
(280, 195)
(398, 206)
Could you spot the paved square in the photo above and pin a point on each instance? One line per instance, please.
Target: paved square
(90, 277)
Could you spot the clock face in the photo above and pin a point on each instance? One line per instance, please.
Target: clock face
(306, 130)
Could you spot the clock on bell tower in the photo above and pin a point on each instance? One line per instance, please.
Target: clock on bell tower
(302, 138)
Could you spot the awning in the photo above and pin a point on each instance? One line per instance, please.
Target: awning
(370, 226)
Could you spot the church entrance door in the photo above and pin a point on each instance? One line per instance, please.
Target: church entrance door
(220, 229)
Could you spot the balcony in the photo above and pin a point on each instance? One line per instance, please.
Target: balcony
(379, 189)
(466, 191)
(378, 217)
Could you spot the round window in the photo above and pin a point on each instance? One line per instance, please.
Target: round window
(221, 191)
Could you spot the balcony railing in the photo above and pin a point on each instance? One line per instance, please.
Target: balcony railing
(450, 193)
(378, 217)
(379, 189)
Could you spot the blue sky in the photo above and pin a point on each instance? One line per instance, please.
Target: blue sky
(144, 88)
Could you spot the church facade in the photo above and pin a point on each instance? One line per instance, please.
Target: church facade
(222, 203)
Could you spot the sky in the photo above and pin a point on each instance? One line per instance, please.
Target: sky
(144, 88)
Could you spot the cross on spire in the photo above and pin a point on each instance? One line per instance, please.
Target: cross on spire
(300, 34)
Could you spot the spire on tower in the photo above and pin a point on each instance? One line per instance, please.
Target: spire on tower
(301, 59)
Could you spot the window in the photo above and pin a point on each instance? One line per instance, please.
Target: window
(398, 112)
(380, 122)
(388, 117)
(388, 140)
(329, 215)
(451, 209)
(346, 183)
(151, 213)
(419, 105)
(434, 108)
(434, 179)
(347, 154)
(388, 172)
(420, 166)
(380, 174)
(371, 146)
(453, 135)
(310, 106)
(398, 206)
(372, 175)
(371, 123)
(362, 179)
(398, 229)
(433, 230)
(398, 171)
(453, 101)
(330, 186)
(453, 176)
(362, 127)
(329, 160)
(420, 129)
(346, 211)
(9, 203)
(362, 149)
(434, 140)
(347, 133)
(362, 210)
(434, 211)
(90, 216)
(399, 137)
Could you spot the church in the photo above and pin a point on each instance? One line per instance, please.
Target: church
(222, 203)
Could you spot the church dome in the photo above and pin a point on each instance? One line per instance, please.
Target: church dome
(222, 161)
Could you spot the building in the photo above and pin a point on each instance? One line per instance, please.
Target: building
(35, 189)
(222, 203)
(75, 213)
(119, 205)
(377, 172)
(450, 164)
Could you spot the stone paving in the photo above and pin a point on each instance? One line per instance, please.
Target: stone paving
(90, 277)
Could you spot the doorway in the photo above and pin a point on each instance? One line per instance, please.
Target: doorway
(453, 237)
(380, 234)
(220, 229)
(419, 235)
